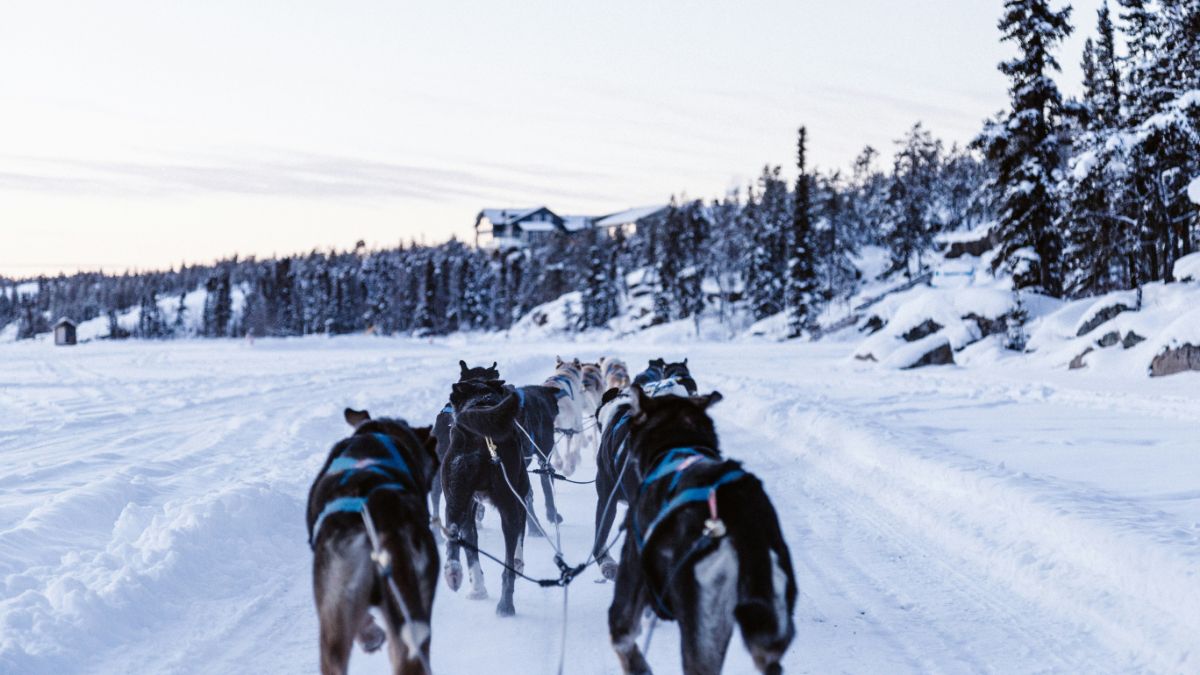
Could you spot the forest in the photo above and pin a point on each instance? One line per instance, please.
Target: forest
(1079, 196)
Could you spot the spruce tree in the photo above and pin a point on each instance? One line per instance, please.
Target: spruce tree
(1027, 146)
(801, 270)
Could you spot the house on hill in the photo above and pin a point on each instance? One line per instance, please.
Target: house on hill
(629, 221)
(501, 229)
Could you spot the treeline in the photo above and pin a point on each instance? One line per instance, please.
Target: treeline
(1081, 197)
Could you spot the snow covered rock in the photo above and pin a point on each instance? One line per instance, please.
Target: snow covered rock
(1187, 268)
(1176, 360)
(1078, 362)
(1194, 190)
(933, 350)
(922, 330)
(1104, 310)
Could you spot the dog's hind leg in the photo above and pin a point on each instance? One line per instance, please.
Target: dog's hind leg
(471, 534)
(708, 593)
(552, 514)
(435, 510)
(625, 615)
(604, 522)
(512, 522)
(343, 578)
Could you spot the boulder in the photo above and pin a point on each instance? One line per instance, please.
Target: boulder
(1104, 315)
(1131, 339)
(1078, 362)
(872, 325)
(987, 327)
(1109, 339)
(923, 330)
(866, 357)
(941, 355)
(1175, 360)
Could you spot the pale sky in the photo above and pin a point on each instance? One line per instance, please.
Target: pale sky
(139, 134)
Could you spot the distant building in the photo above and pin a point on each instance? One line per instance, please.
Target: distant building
(64, 332)
(630, 221)
(506, 229)
(499, 229)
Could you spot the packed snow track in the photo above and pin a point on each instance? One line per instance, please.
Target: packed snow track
(948, 520)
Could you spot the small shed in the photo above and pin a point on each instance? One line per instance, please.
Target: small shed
(64, 332)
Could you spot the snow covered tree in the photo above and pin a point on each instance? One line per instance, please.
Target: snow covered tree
(801, 300)
(767, 219)
(913, 214)
(1027, 146)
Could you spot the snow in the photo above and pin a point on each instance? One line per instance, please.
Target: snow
(1007, 518)
(1187, 268)
(1194, 191)
(506, 216)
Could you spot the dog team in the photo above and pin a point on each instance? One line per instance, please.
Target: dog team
(702, 542)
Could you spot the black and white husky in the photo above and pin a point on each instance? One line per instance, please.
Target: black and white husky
(441, 431)
(381, 473)
(660, 374)
(487, 459)
(616, 478)
(703, 545)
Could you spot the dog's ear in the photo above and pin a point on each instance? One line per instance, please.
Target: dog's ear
(576, 363)
(493, 365)
(458, 387)
(609, 395)
(685, 360)
(356, 418)
(707, 402)
(463, 366)
(557, 361)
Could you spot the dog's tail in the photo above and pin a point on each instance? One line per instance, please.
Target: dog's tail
(766, 586)
(495, 420)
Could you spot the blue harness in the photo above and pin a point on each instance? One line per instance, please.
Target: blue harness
(449, 409)
(393, 467)
(567, 388)
(673, 465)
(620, 448)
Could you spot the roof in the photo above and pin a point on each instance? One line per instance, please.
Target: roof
(63, 320)
(630, 216)
(509, 215)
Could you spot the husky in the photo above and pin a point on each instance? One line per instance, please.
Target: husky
(704, 546)
(660, 375)
(568, 381)
(486, 458)
(614, 372)
(441, 431)
(381, 473)
(616, 480)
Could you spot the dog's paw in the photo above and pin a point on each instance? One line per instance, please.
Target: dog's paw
(505, 608)
(609, 569)
(454, 575)
(553, 518)
(477, 594)
(371, 637)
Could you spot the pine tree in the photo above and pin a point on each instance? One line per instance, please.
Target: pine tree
(913, 211)
(1027, 146)
(801, 270)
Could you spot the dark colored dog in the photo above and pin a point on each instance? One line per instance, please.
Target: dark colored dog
(486, 458)
(537, 411)
(661, 374)
(385, 469)
(703, 545)
(441, 431)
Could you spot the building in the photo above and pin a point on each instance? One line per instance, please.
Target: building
(629, 221)
(506, 229)
(64, 332)
(501, 229)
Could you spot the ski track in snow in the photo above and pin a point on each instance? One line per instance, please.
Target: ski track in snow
(942, 521)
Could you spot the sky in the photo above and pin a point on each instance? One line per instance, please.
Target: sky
(139, 134)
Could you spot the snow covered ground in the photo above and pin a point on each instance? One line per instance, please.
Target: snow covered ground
(1003, 519)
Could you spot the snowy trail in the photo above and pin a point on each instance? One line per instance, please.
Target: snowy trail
(151, 510)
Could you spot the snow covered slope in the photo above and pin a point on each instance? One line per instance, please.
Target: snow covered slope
(952, 520)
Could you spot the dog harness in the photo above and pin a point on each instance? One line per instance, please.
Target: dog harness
(393, 467)
(448, 409)
(620, 448)
(567, 389)
(672, 466)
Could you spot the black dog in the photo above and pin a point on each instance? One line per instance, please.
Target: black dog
(381, 472)
(441, 431)
(661, 375)
(704, 545)
(485, 458)
(537, 408)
